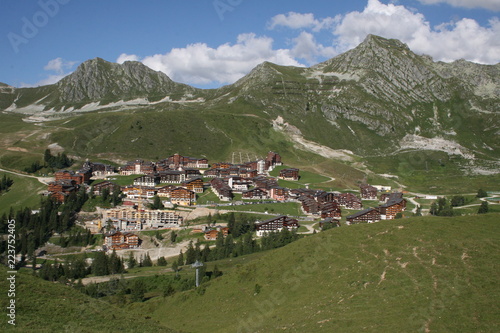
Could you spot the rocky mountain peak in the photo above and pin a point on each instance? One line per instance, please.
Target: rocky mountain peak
(98, 79)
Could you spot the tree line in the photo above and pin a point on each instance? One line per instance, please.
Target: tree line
(78, 268)
(34, 228)
(59, 161)
(444, 207)
(227, 247)
(5, 183)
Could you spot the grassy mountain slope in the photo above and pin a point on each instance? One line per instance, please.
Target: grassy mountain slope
(43, 306)
(399, 112)
(419, 274)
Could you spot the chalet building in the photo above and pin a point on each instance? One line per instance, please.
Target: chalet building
(195, 185)
(121, 240)
(309, 205)
(382, 188)
(137, 167)
(136, 192)
(147, 180)
(99, 169)
(368, 192)
(239, 184)
(349, 201)
(369, 215)
(255, 193)
(273, 159)
(177, 195)
(331, 210)
(264, 182)
(249, 173)
(80, 177)
(182, 196)
(395, 204)
(165, 191)
(129, 218)
(172, 176)
(276, 224)
(221, 189)
(235, 171)
(324, 197)
(211, 234)
(61, 189)
(191, 172)
(296, 193)
(289, 174)
(261, 167)
(329, 221)
(386, 197)
(221, 165)
(161, 166)
(215, 172)
(278, 193)
(175, 161)
(97, 188)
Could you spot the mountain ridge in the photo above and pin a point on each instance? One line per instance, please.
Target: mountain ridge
(377, 99)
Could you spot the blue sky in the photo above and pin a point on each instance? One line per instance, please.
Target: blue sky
(209, 43)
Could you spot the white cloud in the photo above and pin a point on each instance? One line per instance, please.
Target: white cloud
(200, 64)
(126, 57)
(61, 68)
(306, 47)
(59, 65)
(297, 21)
(450, 41)
(51, 79)
(487, 4)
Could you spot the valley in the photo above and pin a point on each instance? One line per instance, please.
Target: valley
(360, 193)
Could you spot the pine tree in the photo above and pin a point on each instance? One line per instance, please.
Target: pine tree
(100, 264)
(173, 236)
(157, 204)
(180, 259)
(228, 246)
(248, 243)
(418, 211)
(231, 222)
(147, 262)
(115, 264)
(434, 208)
(190, 254)
(131, 263)
(481, 193)
(483, 209)
(197, 250)
(162, 261)
(219, 246)
(205, 254)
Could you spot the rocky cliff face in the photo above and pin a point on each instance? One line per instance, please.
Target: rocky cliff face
(96, 79)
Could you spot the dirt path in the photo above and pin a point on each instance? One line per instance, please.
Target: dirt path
(43, 180)
(106, 278)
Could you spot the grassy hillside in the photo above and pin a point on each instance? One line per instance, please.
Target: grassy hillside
(23, 193)
(419, 274)
(43, 306)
